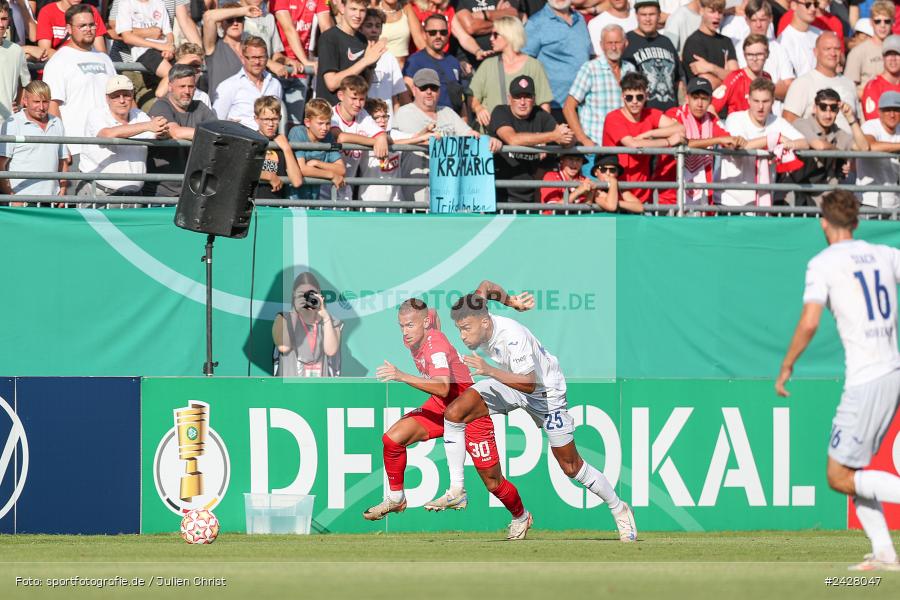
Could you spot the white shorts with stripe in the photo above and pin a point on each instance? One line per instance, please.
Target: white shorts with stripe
(549, 413)
(862, 420)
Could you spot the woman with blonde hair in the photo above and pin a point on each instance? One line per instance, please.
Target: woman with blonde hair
(490, 83)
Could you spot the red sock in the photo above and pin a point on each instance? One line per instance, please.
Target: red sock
(507, 493)
(394, 462)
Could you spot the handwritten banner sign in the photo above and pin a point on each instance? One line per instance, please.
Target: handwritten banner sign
(461, 175)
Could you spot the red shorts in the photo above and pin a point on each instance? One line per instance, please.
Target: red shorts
(480, 442)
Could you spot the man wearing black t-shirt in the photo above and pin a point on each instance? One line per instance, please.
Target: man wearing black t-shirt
(708, 53)
(522, 124)
(655, 57)
(343, 51)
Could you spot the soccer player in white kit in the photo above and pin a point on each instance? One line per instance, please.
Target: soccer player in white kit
(857, 281)
(527, 377)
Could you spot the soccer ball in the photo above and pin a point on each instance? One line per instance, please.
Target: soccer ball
(199, 526)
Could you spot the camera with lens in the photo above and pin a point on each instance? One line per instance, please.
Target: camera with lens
(312, 299)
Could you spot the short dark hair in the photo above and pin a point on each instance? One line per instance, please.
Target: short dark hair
(412, 304)
(634, 81)
(827, 94)
(77, 10)
(754, 6)
(436, 17)
(4, 7)
(180, 71)
(470, 305)
(841, 209)
(762, 84)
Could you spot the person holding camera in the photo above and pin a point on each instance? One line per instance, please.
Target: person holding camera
(308, 338)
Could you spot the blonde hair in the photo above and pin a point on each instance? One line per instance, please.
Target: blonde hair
(512, 31)
(267, 103)
(188, 48)
(883, 7)
(318, 107)
(38, 88)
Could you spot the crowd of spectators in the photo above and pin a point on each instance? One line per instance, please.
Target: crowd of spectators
(773, 75)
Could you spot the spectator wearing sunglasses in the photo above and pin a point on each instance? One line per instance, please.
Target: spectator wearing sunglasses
(637, 126)
(822, 133)
(824, 20)
(433, 57)
(798, 104)
(865, 60)
(476, 19)
(887, 81)
(799, 37)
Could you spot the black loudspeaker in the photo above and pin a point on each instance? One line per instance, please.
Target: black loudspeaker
(220, 180)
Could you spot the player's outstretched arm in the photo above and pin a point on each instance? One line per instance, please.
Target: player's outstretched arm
(438, 386)
(524, 383)
(803, 335)
(491, 291)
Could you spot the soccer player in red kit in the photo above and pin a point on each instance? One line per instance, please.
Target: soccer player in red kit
(445, 377)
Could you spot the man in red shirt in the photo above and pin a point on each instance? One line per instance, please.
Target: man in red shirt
(887, 81)
(636, 126)
(702, 130)
(51, 26)
(295, 20)
(732, 95)
(824, 20)
(445, 377)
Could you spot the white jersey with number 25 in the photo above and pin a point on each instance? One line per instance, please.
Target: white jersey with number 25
(514, 347)
(857, 281)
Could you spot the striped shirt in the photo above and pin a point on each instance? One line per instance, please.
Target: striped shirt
(597, 92)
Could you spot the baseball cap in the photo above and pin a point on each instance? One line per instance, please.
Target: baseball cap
(425, 77)
(891, 44)
(889, 100)
(523, 84)
(700, 84)
(864, 25)
(640, 3)
(117, 83)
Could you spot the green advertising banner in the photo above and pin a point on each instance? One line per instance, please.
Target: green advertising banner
(688, 455)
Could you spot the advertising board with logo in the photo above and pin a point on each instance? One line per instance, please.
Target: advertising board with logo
(688, 455)
(70, 455)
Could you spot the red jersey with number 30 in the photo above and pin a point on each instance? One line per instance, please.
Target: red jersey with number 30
(436, 357)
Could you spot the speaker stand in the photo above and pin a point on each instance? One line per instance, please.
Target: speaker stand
(209, 366)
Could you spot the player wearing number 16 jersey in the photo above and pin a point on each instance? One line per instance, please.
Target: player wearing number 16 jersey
(445, 377)
(527, 377)
(857, 281)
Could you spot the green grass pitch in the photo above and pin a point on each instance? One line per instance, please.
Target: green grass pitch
(549, 565)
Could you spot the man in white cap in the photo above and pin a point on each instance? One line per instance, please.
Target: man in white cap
(883, 136)
(118, 120)
(887, 81)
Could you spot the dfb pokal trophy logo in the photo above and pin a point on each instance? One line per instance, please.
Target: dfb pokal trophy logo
(191, 467)
(192, 425)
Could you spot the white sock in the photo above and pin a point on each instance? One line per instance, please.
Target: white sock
(455, 448)
(598, 484)
(877, 485)
(522, 518)
(396, 495)
(873, 523)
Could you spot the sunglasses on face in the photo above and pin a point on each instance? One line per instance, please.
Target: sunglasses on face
(608, 170)
(828, 107)
(436, 32)
(809, 5)
(233, 20)
(882, 21)
(429, 88)
(522, 97)
(634, 97)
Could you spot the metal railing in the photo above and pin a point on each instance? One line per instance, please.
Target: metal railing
(679, 208)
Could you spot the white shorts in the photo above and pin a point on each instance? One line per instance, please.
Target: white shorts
(862, 419)
(550, 414)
